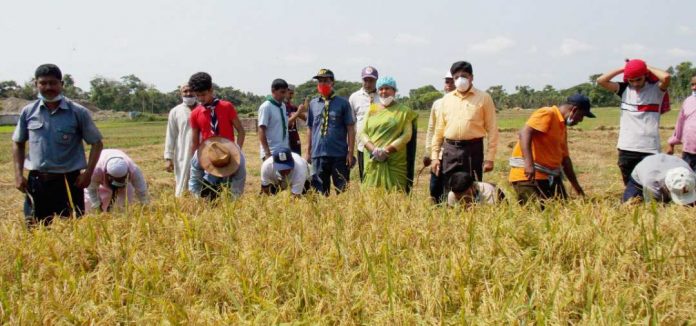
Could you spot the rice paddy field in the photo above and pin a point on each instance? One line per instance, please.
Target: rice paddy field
(363, 257)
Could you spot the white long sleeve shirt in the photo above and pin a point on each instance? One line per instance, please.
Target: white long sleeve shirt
(177, 144)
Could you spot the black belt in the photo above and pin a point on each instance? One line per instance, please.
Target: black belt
(47, 176)
(463, 142)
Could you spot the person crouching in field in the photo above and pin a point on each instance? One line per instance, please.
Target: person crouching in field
(219, 167)
(643, 97)
(663, 178)
(284, 170)
(55, 128)
(540, 157)
(465, 190)
(218, 118)
(115, 181)
(685, 129)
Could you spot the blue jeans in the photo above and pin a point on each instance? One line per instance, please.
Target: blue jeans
(635, 190)
(203, 184)
(690, 158)
(328, 169)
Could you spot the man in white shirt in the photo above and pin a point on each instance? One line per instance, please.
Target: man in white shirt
(284, 170)
(360, 102)
(178, 140)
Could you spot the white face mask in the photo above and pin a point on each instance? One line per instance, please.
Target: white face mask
(58, 98)
(693, 93)
(386, 101)
(462, 84)
(189, 100)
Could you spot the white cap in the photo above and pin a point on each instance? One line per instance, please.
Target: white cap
(448, 74)
(681, 183)
(117, 167)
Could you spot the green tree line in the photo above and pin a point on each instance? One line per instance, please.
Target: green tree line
(130, 93)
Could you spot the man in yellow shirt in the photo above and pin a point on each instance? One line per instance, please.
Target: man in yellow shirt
(540, 157)
(467, 116)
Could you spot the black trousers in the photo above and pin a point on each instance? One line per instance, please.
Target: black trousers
(539, 189)
(361, 165)
(47, 196)
(461, 156)
(628, 161)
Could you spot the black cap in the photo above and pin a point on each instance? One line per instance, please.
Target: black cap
(462, 65)
(324, 73)
(582, 103)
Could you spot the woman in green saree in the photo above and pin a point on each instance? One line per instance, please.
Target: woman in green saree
(387, 129)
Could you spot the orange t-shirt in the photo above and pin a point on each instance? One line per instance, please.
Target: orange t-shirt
(549, 145)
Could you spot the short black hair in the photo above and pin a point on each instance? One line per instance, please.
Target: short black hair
(48, 70)
(200, 81)
(278, 84)
(460, 181)
(462, 65)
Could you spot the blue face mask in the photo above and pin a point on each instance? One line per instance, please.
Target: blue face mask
(58, 98)
(693, 93)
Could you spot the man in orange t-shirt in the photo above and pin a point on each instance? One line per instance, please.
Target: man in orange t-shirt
(540, 157)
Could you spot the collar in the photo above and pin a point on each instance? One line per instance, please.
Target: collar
(273, 101)
(331, 97)
(468, 93)
(559, 115)
(365, 92)
(63, 105)
(212, 104)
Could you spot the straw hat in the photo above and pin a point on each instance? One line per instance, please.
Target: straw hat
(219, 156)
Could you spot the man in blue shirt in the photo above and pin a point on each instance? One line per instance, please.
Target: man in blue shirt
(331, 136)
(55, 128)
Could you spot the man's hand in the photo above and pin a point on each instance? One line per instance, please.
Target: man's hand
(487, 166)
(83, 179)
(350, 160)
(435, 167)
(21, 183)
(170, 166)
(670, 150)
(301, 108)
(426, 161)
(529, 171)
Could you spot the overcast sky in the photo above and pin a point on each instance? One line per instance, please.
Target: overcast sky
(246, 44)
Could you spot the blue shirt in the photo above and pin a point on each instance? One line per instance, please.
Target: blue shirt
(335, 142)
(55, 138)
(274, 117)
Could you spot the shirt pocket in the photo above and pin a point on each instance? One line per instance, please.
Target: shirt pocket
(333, 119)
(65, 135)
(35, 129)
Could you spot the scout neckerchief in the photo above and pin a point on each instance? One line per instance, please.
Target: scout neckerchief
(213, 116)
(325, 114)
(282, 115)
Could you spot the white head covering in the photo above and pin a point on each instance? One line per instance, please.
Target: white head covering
(681, 183)
(117, 167)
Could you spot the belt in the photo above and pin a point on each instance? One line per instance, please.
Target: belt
(47, 176)
(463, 142)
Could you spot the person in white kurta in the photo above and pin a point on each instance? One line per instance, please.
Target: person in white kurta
(178, 140)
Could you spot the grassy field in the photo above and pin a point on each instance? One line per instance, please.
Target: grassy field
(365, 257)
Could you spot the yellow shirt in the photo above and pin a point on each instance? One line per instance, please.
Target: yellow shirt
(465, 117)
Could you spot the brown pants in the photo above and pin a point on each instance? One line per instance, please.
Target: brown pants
(539, 189)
